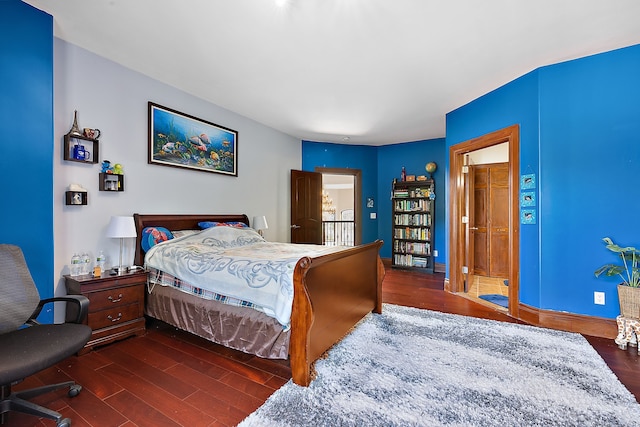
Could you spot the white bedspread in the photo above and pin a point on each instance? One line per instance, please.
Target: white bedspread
(237, 262)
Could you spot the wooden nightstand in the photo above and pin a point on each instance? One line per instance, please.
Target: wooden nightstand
(116, 305)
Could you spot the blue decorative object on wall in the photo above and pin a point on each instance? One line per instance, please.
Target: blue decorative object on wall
(528, 216)
(528, 198)
(528, 181)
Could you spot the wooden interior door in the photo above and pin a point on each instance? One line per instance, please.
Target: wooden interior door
(306, 207)
(490, 220)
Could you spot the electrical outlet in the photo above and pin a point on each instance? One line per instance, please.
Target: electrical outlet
(435, 252)
(598, 298)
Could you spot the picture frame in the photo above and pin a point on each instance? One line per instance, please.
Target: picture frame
(76, 198)
(528, 181)
(527, 216)
(527, 198)
(181, 140)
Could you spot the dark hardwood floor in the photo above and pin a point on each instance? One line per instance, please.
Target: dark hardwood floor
(171, 378)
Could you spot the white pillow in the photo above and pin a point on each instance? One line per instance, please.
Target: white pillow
(182, 233)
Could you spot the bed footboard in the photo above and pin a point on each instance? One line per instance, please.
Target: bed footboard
(332, 293)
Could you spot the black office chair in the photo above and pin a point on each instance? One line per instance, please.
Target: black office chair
(27, 347)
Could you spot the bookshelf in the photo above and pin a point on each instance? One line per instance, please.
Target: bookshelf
(412, 204)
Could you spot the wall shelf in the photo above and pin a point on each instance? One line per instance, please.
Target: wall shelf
(75, 198)
(89, 145)
(111, 182)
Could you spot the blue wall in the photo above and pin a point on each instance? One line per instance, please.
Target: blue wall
(379, 166)
(413, 156)
(515, 103)
(580, 134)
(26, 119)
(325, 155)
(590, 175)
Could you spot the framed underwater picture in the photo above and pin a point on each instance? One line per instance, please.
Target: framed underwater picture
(179, 140)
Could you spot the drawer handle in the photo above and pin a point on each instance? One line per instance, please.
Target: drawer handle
(115, 300)
(115, 319)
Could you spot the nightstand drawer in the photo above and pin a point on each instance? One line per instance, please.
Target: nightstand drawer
(113, 316)
(116, 297)
(116, 305)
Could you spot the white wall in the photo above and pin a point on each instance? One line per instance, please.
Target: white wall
(495, 154)
(114, 99)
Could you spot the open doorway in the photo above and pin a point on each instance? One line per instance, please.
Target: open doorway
(341, 197)
(465, 230)
(487, 185)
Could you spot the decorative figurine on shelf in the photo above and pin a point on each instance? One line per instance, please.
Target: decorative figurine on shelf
(106, 167)
(117, 169)
(77, 187)
(77, 196)
(92, 133)
(75, 129)
(403, 174)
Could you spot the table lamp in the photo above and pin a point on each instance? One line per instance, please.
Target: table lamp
(121, 227)
(260, 223)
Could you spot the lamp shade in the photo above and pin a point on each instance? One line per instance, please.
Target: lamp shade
(260, 223)
(121, 226)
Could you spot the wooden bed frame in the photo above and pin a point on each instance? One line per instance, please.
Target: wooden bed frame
(332, 293)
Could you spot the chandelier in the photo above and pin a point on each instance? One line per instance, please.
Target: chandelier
(327, 204)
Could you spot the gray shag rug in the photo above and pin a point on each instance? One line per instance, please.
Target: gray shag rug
(412, 367)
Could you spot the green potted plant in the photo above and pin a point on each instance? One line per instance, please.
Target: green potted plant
(629, 272)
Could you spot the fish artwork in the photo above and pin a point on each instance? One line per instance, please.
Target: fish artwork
(197, 142)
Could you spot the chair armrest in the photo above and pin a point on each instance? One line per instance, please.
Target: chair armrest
(80, 300)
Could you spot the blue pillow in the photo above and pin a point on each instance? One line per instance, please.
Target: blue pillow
(151, 236)
(209, 224)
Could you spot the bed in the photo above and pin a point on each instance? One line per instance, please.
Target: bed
(331, 294)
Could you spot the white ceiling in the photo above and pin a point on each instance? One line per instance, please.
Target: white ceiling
(376, 71)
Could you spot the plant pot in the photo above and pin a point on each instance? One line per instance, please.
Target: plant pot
(629, 301)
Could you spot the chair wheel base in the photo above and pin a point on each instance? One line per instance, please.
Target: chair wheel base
(74, 390)
(65, 422)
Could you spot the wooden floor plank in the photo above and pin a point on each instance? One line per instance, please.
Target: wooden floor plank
(156, 397)
(147, 353)
(249, 387)
(222, 411)
(176, 386)
(84, 372)
(139, 412)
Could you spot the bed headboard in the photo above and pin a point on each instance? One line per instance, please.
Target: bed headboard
(176, 222)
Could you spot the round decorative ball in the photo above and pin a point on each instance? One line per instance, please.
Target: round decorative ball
(431, 167)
